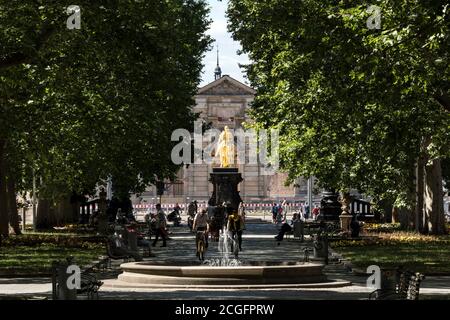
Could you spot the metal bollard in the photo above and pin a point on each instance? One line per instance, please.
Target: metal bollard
(388, 280)
(321, 247)
(306, 254)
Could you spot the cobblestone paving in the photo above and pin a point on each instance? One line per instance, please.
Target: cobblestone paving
(258, 245)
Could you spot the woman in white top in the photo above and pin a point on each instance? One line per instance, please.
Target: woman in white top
(201, 224)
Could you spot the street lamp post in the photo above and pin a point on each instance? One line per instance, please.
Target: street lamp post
(34, 202)
(160, 188)
(187, 204)
(310, 195)
(24, 217)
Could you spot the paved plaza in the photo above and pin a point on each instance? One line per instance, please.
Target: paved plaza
(258, 245)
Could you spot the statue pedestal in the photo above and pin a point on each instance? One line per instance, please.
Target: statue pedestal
(225, 182)
(330, 208)
(346, 216)
(346, 219)
(102, 226)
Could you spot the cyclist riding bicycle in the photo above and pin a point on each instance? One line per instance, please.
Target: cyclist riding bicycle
(200, 226)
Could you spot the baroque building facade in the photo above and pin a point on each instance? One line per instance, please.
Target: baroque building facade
(226, 102)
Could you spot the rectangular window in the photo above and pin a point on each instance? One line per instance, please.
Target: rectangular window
(222, 119)
(177, 189)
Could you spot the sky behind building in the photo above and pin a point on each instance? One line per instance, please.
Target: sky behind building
(229, 59)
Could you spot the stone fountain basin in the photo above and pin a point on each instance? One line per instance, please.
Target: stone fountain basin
(253, 273)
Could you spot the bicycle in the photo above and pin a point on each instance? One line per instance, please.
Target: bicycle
(201, 245)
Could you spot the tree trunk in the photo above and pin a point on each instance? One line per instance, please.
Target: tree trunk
(4, 221)
(76, 212)
(395, 218)
(434, 199)
(12, 207)
(64, 211)
(420, 181)
(45, 215)
(403, 217)
(75, 203)
(412, 200)
(386, 207)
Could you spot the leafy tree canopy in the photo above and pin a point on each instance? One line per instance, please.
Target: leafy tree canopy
(78, 106)
(353, 103)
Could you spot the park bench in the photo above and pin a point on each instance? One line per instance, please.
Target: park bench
(311, 228)
(89, 284)
(113, 256)
(406, 288)
(301, 229)
(297, 231)
(102, 263)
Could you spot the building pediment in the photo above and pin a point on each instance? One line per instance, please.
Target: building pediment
(226, 86)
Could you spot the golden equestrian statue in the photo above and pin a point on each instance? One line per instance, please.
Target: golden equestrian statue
(225, 148)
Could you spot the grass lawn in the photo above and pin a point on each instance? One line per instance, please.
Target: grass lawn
(25, 259)
(34, 253)
(425, 254)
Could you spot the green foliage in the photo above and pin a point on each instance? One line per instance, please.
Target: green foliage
(382, 227)
(35, 252)
(67, 241)
(352, 104)
(419, 253)
(78, 106)
(22, 260)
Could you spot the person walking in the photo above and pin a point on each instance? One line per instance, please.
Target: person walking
(274, 213)
(307, 211)
(316, 212)
(161, 223)
(280, 210)
(235, 226)
(241, 213)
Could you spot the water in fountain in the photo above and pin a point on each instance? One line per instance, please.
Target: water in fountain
(224, 249)
(222, 262)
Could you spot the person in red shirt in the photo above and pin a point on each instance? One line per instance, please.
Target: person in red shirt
(315, 212)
